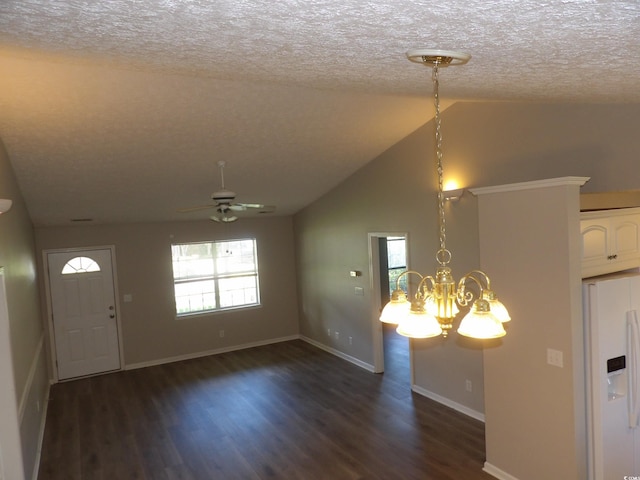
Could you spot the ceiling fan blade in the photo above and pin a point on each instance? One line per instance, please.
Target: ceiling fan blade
(267, 209)
(241, 207)
(252, 212)
(237, 207)
(195, 209)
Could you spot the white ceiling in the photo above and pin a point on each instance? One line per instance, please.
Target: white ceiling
(119, 110)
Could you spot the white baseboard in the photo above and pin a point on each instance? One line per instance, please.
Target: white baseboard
(338, 353)
(449, 403)
(496, 472)
(26, 392)
(419, 390)
(190, 356)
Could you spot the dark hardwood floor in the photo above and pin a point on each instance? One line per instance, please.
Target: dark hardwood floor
(283, 411)
(396, 355)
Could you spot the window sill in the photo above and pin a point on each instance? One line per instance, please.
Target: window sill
(208, 313)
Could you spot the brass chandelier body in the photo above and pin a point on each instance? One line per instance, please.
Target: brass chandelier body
(433, 308)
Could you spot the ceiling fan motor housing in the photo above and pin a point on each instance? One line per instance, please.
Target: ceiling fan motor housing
(223, 196)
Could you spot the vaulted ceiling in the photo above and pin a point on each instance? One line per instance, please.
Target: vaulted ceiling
(119, 110)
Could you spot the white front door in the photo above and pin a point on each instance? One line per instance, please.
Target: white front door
(84, 312)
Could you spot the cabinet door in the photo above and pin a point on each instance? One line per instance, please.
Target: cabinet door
(610, 243)
(595, 241)
(625, 237)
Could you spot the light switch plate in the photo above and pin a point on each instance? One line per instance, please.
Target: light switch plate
(554, 357)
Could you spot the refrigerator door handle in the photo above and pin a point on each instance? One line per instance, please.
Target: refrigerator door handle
(633, 349)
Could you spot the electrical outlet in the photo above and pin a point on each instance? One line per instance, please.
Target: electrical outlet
(468, 385)
(350, 340)
(221, 333)
(337, 335)
(554, 357)
(328, 332)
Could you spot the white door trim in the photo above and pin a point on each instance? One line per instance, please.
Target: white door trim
(11, 460)
(50, 327)
(374, 276)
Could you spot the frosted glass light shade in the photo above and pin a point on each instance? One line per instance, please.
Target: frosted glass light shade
(499, 310)
(395, 311)
(397, 308)
(482, 324)
(419, 325)
(5, 205)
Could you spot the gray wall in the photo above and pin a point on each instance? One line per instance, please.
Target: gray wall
(151, 332)
(17, 256)
(484, 144)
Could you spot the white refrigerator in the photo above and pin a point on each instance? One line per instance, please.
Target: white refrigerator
(612, 336)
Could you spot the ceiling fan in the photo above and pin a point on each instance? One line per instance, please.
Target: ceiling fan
(226, 210)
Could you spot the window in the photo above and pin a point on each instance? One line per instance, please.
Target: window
(80, 265)
(215, 275)
(397, 262)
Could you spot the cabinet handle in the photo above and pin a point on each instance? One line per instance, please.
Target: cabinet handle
(612, 257)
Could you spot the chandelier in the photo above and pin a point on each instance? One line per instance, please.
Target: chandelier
(434, 306)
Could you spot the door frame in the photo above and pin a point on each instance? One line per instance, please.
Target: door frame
(47, 288)
(374, 276)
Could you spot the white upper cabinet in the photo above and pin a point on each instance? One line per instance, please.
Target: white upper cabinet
(610, 241)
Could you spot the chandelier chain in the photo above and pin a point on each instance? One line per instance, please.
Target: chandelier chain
(443, 256)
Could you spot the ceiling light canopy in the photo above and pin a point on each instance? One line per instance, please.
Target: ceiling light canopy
(434, 306)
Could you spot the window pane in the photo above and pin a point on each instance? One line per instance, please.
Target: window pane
(195, 296)
(238, 291)
(396, 252)
(236, 257)
(189, 264)
(397, 262)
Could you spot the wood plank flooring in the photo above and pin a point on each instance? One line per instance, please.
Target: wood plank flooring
(282, 411)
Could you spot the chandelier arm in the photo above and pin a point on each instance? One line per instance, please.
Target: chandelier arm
(405, 273)
(465, 296)
(484, 276)
(424, 287)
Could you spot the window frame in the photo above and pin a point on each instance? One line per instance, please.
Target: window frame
(217, 277)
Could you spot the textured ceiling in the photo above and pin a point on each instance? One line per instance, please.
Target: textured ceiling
(119, 110)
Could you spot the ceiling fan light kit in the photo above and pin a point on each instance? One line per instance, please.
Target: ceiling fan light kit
(223, 218)
(434, 306)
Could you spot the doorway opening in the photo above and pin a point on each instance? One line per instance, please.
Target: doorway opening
(392, 352)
